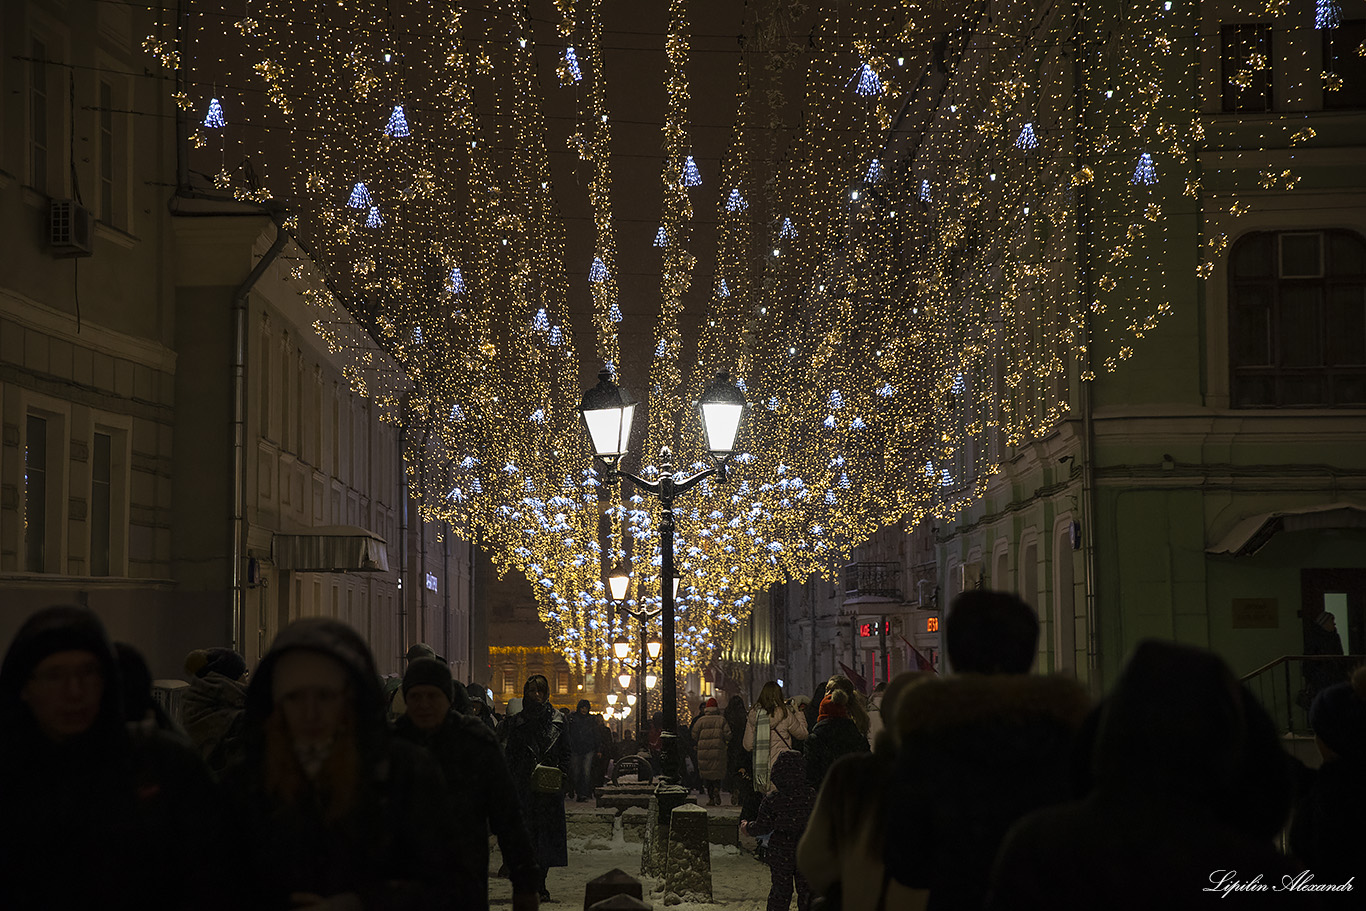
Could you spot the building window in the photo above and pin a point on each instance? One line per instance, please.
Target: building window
(1246, 62)
(1344, 66)
(38, 117)
(106, 182)
(35, 495)
(509, 680)
(1297, 320)
(101, 514)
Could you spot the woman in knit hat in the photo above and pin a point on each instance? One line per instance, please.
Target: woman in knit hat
(93, 814)
(711, 733)
(834, 735)
(1326, 831)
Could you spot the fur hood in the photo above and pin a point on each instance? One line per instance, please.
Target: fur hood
(970, 699)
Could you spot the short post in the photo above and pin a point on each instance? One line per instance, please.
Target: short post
(687, 876)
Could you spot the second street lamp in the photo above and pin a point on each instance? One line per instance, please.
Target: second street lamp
(608, 417)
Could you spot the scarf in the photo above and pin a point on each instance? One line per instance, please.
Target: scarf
(761, 736)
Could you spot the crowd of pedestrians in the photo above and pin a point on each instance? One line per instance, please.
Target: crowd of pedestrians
(310, 783)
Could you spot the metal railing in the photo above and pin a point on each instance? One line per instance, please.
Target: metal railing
(1286, 687)
(881, 580)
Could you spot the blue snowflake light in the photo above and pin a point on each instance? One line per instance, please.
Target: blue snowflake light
(1146, 172)
(598, 271)
(857, 424)
(691, 176)
(360, 197)
(214, 118)
(788, 229)
(614, 314)
(374, 219)
(835, 400)
(457, 415)
(886, 390)
(455, 282)
(661, 237)
(556, 336)
(924, 191)
(735, 202)
(398, 123)
(723, 290)
(772, 404)
(1327, 14)
(829, 422)
(571, 64)
(874, 171)
(959, 384)
(417, 335)
(540, 322)
(868, 81)
(1027, 140)
(661, 348)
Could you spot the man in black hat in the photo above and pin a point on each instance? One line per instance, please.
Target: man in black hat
(480, 788)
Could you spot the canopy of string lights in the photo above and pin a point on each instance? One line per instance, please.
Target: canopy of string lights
(867, 212)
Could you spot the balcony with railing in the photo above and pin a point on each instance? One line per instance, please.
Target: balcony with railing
(872, 582)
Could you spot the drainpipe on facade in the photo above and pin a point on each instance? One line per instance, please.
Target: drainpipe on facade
(239, 429)
(402, 544)
(1085, 291)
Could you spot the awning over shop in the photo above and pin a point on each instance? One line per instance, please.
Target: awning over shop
(330, 549)
(1251, 534)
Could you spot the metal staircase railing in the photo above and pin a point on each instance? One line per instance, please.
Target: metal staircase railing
(1286, 687)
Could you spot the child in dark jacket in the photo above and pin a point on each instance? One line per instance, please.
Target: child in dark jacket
(783, 815)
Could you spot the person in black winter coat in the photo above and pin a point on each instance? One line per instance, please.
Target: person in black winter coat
(330, 808)
(834, 735)
(478, 785)
(535, 736)
(93, 813)
(1326, 830)
(738, 781)
(782, 816)
(581, 729)
(980, 750)
(1162, 827)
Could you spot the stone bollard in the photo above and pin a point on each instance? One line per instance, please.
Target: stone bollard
(622, 903)
(654, 850)
(687, 875)
(612, 883)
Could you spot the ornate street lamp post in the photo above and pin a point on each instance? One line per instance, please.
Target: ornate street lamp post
(608, 417)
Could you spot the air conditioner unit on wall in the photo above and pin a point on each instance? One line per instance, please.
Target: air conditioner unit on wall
(70, 229)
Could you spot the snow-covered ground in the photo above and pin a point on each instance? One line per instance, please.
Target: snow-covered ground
(738, 880)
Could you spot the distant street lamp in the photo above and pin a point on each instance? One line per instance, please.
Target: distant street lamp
(608, 417)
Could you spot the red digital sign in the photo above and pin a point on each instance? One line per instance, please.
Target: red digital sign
(870, 629)
(931, 624)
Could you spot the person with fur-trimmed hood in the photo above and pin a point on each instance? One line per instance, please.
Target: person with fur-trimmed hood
(94, 813)
(979, 750)
(782, 817)
(478, 784)
(331, 809)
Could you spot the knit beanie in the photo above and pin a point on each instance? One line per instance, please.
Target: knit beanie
(711, 703)
(428, 672)
(835, 705)
(1338, 716)
(421, 650)
(204, 661)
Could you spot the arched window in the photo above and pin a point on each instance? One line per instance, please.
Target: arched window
(1297, 320)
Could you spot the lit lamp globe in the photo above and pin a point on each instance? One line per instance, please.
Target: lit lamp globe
(621, 648)
(611, 698)
(650, 681)
(630, 699)
(624, 680)
(722, 406)
(618, 582)
(608, 417)
(653, 648)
